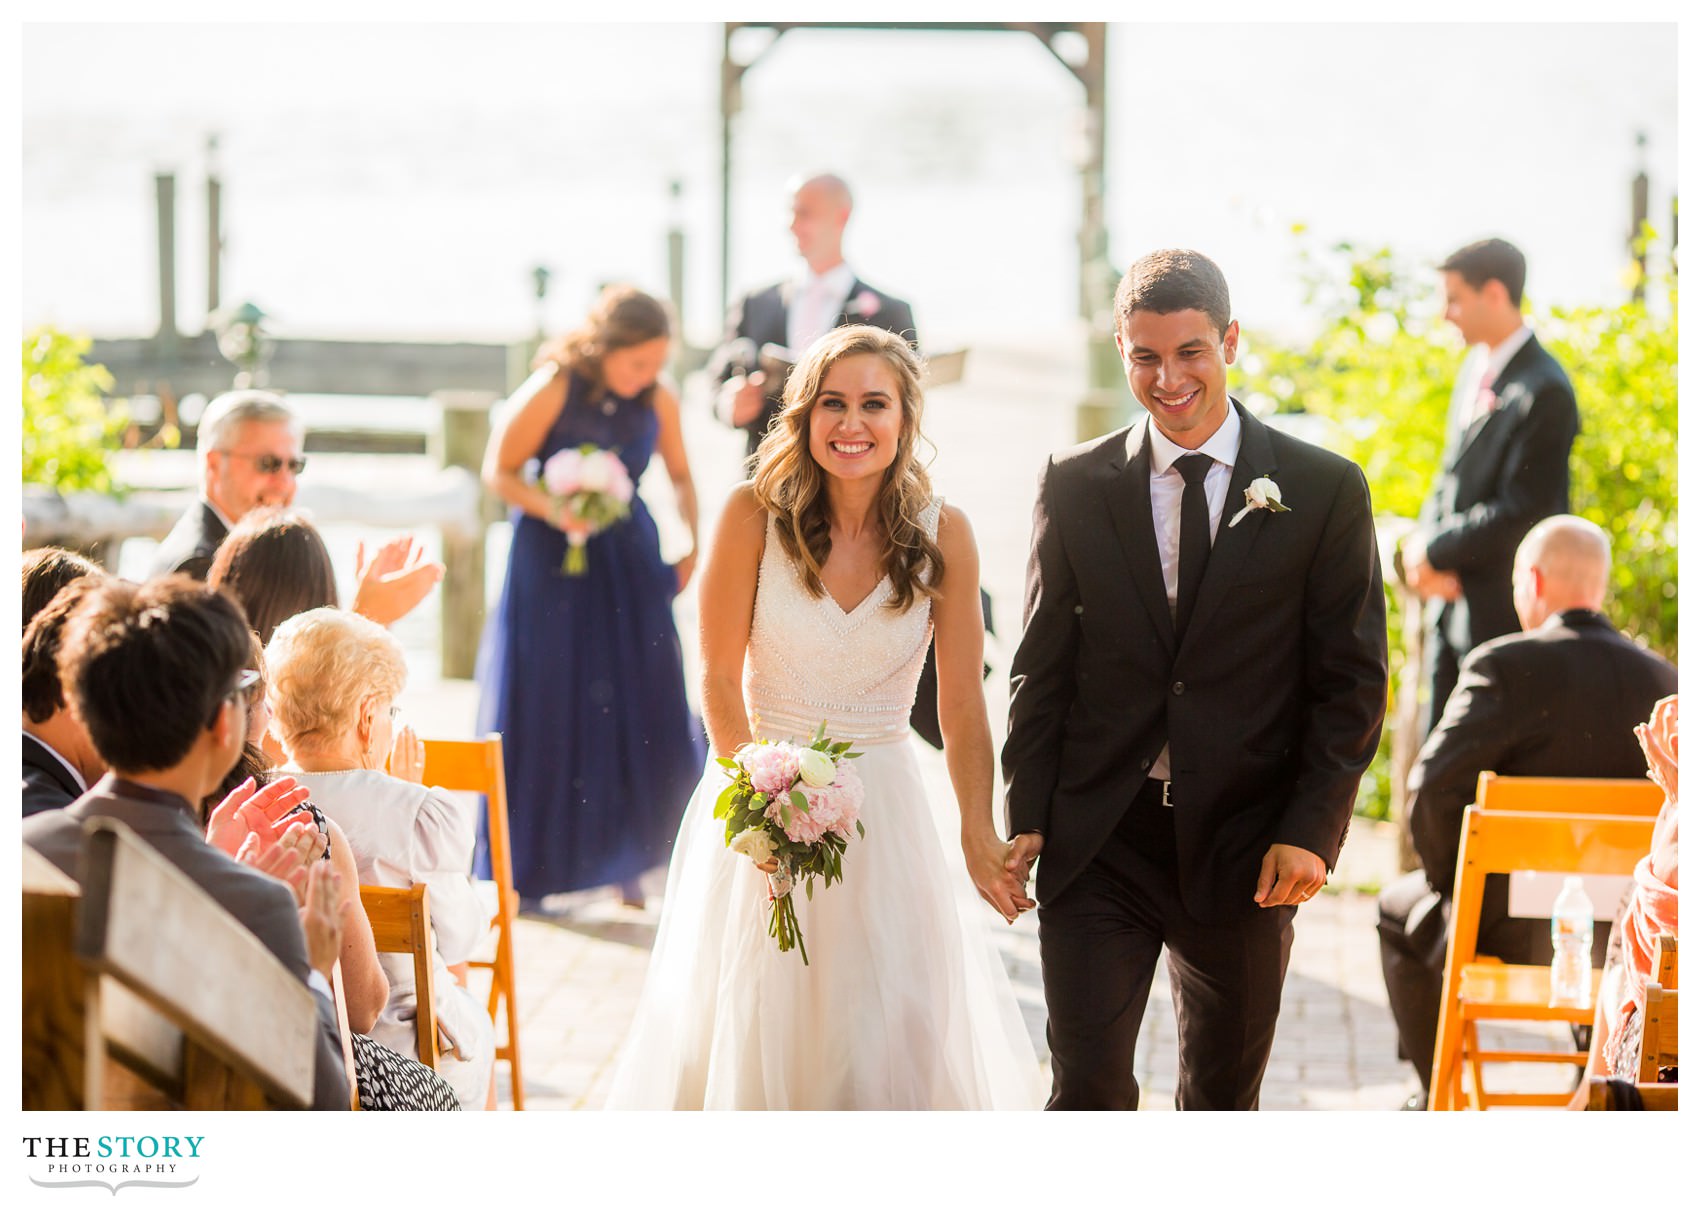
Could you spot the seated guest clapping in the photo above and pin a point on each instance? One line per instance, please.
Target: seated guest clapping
(276, 564)
(59, 760)
(335, 678)
(366, 989)
(155, 674)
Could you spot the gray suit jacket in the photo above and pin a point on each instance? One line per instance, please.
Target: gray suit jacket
(259, 902)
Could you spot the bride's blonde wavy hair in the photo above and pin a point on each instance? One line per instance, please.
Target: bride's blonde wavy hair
(792, 486)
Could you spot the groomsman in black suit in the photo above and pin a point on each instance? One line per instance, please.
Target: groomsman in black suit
(1506, 466)
(1561, 699)
(825, 294)
(1198, 690)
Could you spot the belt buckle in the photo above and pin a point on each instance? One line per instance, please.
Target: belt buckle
(1167, 802)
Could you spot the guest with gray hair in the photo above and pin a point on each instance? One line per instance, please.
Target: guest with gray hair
(1560, 699)
(248, 447)
(334, 681)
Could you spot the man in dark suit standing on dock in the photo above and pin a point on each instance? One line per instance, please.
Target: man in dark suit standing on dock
(1506, 466)
(248, 448)
(793, 314)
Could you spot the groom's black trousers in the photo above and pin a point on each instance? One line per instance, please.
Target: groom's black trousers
(1099, 943)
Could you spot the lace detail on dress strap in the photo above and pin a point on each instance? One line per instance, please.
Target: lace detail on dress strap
(929, 518)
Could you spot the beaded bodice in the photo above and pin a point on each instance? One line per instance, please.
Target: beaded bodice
(811, 660)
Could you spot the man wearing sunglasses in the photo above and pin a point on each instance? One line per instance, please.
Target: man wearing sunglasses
(248, 445)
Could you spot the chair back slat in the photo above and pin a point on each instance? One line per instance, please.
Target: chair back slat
(401, 924)
(1608, 797)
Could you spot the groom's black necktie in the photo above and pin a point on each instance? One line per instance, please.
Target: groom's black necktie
(1195, 537)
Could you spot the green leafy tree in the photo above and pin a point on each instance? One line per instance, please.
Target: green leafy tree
(68, 429)
(1381, 368)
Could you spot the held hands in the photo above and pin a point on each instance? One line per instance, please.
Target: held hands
(999, 871)
(1290, 875)
(1423, 578)
(393, 581)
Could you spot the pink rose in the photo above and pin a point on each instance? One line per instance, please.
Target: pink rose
(864, 304)
(772, 769)
(562, 471)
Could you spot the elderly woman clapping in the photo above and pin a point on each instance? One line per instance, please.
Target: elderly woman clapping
(335, 678)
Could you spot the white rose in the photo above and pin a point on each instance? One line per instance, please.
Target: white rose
(594, 476)
(1262, 492)
(816, 768)
(755, 844)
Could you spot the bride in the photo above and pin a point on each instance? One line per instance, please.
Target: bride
(827, 575)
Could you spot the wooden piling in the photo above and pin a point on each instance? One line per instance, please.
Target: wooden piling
(459, 441)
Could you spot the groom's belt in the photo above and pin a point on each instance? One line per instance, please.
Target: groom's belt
(1155, 791)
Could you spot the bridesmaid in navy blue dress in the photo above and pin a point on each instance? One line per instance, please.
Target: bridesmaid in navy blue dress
(583, 675)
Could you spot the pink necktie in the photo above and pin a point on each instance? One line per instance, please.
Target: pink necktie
(1485, 399)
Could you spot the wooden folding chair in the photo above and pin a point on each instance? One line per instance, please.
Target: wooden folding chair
(1583, 797)
(1482, 989)
(477, 766)
(1664, 961)
(401, 923)
(119, 1014)
(1658, 1033)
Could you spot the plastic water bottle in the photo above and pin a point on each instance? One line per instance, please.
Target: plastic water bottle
(1572, 946)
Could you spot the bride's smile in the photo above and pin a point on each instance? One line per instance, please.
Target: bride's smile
(857, 418)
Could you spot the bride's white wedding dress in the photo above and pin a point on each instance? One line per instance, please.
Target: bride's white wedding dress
(904, 1003)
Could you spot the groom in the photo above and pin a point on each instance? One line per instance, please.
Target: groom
(1198, 689)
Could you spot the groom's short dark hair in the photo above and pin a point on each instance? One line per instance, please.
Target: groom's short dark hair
(1492, 259)
(1171, 280)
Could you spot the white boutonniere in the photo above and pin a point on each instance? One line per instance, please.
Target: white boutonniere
(1261, 493)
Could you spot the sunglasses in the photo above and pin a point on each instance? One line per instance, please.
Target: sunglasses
(246, 679)
(270, 464)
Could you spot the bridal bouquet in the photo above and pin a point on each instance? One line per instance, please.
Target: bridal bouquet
(593, 487)
(796, 805)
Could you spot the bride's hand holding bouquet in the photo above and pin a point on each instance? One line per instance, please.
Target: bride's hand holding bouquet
(789, 809)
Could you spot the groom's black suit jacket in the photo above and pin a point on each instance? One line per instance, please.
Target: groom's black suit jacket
(1272, 705)
(761, 317)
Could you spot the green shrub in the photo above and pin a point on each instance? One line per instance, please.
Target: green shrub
(68, 430)
(1381, 370)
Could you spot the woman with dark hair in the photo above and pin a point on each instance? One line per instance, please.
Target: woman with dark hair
(275, 563)
(583, 675)
(827, 576)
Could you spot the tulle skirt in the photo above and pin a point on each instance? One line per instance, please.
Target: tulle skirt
(904, 1004)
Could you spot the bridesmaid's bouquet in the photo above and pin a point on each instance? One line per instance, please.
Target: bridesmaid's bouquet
(593, 487)
(795, 805)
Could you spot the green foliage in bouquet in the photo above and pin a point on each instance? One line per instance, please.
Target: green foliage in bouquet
(744, 809)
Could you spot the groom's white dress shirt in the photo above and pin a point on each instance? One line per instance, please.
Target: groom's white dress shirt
(1166, 487)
